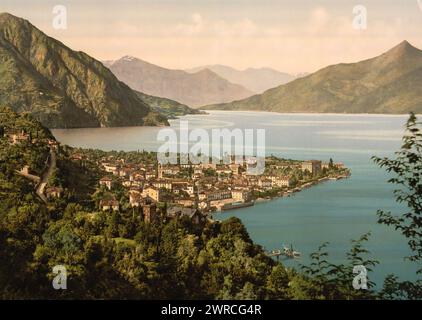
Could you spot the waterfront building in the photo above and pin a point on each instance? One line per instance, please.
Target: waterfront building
(241, 195)
(283, 181)
(313, 166)
(218, 195)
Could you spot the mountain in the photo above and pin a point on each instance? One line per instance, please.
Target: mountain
(193, 89)
(255, 79)
(60, 87)
(389, 83)
(170, 108)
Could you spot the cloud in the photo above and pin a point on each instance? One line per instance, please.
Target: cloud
(318, 21)
(199, 26)
(192, 28)
(244, 27)
(314, 39)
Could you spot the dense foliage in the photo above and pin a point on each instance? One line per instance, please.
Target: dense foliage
(118, 255)
(407, 170)
(169, 108)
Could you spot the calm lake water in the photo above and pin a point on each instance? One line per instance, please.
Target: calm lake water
(334, 211)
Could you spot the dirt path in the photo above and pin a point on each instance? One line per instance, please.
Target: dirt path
(31, 177)
(48, 171)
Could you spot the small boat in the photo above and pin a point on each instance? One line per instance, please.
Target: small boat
(290, 253)
(296, 253)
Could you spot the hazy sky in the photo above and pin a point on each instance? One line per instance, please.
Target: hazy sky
(292, 36)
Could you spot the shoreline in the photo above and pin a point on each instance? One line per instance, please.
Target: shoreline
(288, 193)
(311, 113)
(209, 112)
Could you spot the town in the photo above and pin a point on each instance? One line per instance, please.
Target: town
(195, 190)
(136, 180)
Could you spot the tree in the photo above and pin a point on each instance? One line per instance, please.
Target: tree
(407, 176)
(113, 221)
(325, 280)
(278, 283)
(331, 164)
(407, 168)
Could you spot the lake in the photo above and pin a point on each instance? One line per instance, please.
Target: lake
(333, 211)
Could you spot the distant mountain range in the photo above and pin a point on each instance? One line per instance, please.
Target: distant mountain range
(192, 89)
(63, 88)
(389, 83)
(257, 80)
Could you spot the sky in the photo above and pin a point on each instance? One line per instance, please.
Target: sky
(288, 35)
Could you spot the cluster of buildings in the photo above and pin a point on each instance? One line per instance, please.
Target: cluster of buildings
(18, 137)
(188, 190)
(207, 187)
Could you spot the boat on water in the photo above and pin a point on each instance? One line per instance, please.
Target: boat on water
(237, 205)
(286, 251)
(290, 253)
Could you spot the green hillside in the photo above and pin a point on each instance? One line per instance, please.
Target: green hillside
(170, 108)
(63, 88)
